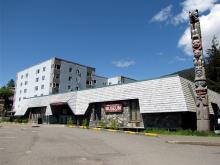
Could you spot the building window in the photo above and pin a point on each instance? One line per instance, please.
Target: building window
(42, 94)
(70, 69)
(36, 88)
(87, 82)
(42, 86)
(109, 83)
(43, 77)
(37, 79)
(35, 95)
(94, 81)
(78, 80)
(78, 73)
(19, 98)
(25, 90)
(70, 78)
(21, 76)
(56, 85)
(37, 71)
(25, 83)
(69, 86)
(44, 68)
(21, 84)
(57, 76)
(20, 91)
(57, 66)
(77, 88)
(26, 75)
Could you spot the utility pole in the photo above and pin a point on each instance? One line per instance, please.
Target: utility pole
(202, 105)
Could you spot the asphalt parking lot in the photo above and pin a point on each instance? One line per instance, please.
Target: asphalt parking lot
(59, 145)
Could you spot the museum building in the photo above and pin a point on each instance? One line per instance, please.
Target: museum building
(165, 102)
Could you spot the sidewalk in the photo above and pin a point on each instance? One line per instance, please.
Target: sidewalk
(192, 140)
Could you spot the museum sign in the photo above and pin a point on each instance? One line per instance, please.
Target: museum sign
(113, 108)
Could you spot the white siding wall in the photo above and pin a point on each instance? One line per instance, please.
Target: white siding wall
(113, 81)
(119, 80)
(31, 83)
(158, 95)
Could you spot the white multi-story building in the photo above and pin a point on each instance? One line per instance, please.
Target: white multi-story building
(58, 76)
(52, 76)
(119, 80)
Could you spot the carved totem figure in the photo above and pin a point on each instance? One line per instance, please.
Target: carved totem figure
(202, 108)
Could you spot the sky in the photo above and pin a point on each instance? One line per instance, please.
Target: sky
(140, 39)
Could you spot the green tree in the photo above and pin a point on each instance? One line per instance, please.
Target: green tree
(5, 92)
(213, 66)
(11, 83)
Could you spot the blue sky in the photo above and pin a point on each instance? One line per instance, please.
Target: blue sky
(139, 39)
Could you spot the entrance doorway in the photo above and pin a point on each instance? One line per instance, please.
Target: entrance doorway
(216, 110)
(61, 113)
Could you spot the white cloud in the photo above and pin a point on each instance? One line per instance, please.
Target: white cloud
(210, 26)
(123, 63)
(188, 5)
(163, 15)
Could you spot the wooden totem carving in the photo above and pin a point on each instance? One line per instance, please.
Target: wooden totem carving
(202, 108)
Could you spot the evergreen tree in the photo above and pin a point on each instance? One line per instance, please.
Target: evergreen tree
(213, 66)
(11, 83)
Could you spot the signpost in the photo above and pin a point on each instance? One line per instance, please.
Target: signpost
(202, 108)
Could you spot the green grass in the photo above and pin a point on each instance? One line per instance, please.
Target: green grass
(180, 132)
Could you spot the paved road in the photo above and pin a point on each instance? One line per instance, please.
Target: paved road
(56, 145)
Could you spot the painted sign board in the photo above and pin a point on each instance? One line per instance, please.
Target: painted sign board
(113, 108)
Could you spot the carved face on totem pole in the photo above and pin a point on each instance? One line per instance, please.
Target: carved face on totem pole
(196, 44)
(197, 53)
(194, 16)
(198, 62)
(201, 87)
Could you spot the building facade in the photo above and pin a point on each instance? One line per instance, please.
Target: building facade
(50, 77)
(166, 102)
(58, 76)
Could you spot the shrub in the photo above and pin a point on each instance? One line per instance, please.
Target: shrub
(102, 123)
(69, 121)
(24, 121)
(85, 123)
(113, 124)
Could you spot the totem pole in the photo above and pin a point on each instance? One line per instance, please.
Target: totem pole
(202, 108)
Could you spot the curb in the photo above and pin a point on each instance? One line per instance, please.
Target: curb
(71, 126)
(151, 134)
(112, 130)
(194, 143)
(97, 129)
(131, 133)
